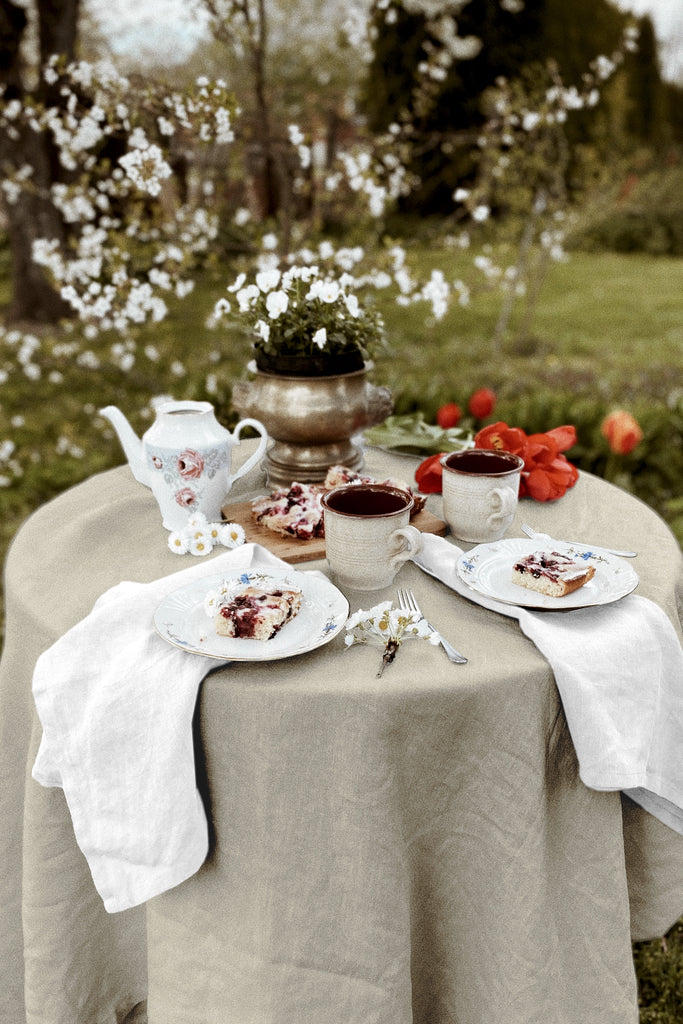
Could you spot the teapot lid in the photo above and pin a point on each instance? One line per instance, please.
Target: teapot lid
(183, 408)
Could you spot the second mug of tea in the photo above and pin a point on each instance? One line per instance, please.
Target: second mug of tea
(367, 534)
(480, 490)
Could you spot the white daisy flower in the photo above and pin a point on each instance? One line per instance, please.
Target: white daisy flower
(200, 545)
(177, 543)
(213, 599)
(232, 535)
(214, 532)
(197, 521)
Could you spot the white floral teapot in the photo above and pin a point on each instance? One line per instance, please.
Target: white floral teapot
(184, 458)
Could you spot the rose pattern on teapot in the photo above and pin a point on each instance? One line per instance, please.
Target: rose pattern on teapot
(187, 473)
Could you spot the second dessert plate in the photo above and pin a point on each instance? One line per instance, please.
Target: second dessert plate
(487, 569)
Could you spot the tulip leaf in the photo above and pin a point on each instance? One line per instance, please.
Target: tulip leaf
(413, 436)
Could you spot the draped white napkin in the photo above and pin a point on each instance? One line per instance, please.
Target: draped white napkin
(619, 672)
(116, 704)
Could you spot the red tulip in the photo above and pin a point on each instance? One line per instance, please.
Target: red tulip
(622, 431)
(448, 415)
(547, 474)
(429, 474)
(482, 403)
(565, 437)
(500, 436)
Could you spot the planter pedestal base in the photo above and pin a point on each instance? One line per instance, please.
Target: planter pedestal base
(285, 461)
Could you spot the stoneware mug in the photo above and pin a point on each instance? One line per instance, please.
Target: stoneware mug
(480, 491)
(367, 534)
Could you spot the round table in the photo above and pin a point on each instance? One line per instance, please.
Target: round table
(416, 848)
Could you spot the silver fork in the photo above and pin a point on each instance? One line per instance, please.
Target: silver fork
(407, 602)
(613, 551)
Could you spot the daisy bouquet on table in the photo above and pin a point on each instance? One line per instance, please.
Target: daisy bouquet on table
(200, 537)
(386, 627)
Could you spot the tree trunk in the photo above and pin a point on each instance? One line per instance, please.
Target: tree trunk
(33, 215)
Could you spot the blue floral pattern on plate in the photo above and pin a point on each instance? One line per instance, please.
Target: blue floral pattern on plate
(182, 621)
(487, 569)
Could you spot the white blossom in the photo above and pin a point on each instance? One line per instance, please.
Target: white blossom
(276, 304)
(232, 535)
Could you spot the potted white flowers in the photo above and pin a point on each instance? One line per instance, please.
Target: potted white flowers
(312, 343)
(303, 322)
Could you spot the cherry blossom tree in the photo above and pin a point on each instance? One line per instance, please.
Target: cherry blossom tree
(28, 156)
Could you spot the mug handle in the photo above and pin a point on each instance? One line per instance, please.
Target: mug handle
(413, 545)
(253, 459)
(507, 503)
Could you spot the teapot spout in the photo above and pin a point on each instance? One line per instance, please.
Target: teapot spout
(130, 442)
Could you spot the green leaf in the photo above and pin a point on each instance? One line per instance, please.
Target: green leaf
(410, 434)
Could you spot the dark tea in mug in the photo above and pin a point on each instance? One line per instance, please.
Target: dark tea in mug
(482, 462)
(367, 500)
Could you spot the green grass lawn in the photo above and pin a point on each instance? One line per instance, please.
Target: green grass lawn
(608, 332)
(607, 325)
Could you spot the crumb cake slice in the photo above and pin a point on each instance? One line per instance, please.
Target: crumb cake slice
(551, 573)
(256, 613)
(296, 512)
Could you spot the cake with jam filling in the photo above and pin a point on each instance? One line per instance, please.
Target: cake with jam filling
(295, 511)
(256, 613)
(551, 573)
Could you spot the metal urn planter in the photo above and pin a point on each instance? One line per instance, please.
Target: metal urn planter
(311, 420)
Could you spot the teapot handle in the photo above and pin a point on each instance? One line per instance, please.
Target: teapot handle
(253, 459)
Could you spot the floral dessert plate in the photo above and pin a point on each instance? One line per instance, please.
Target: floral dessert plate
(487, 570)
(182, 619)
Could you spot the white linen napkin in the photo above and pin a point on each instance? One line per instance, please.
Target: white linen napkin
(619, 672)
(116, 703)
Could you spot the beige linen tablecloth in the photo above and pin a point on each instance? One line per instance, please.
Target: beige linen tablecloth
(416, 848)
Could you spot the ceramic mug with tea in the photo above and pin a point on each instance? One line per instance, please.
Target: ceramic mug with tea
(480, 492)
(368, 535)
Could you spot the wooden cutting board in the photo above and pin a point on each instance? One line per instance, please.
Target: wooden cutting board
(291, 549)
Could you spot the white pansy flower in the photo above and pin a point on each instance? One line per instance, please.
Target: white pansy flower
(352, 305)
(237, 284)
(267, 280)
(320, 338)
(329, 291)
(246, 297)
(314, 292)
(276, 304)
(262, 329)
